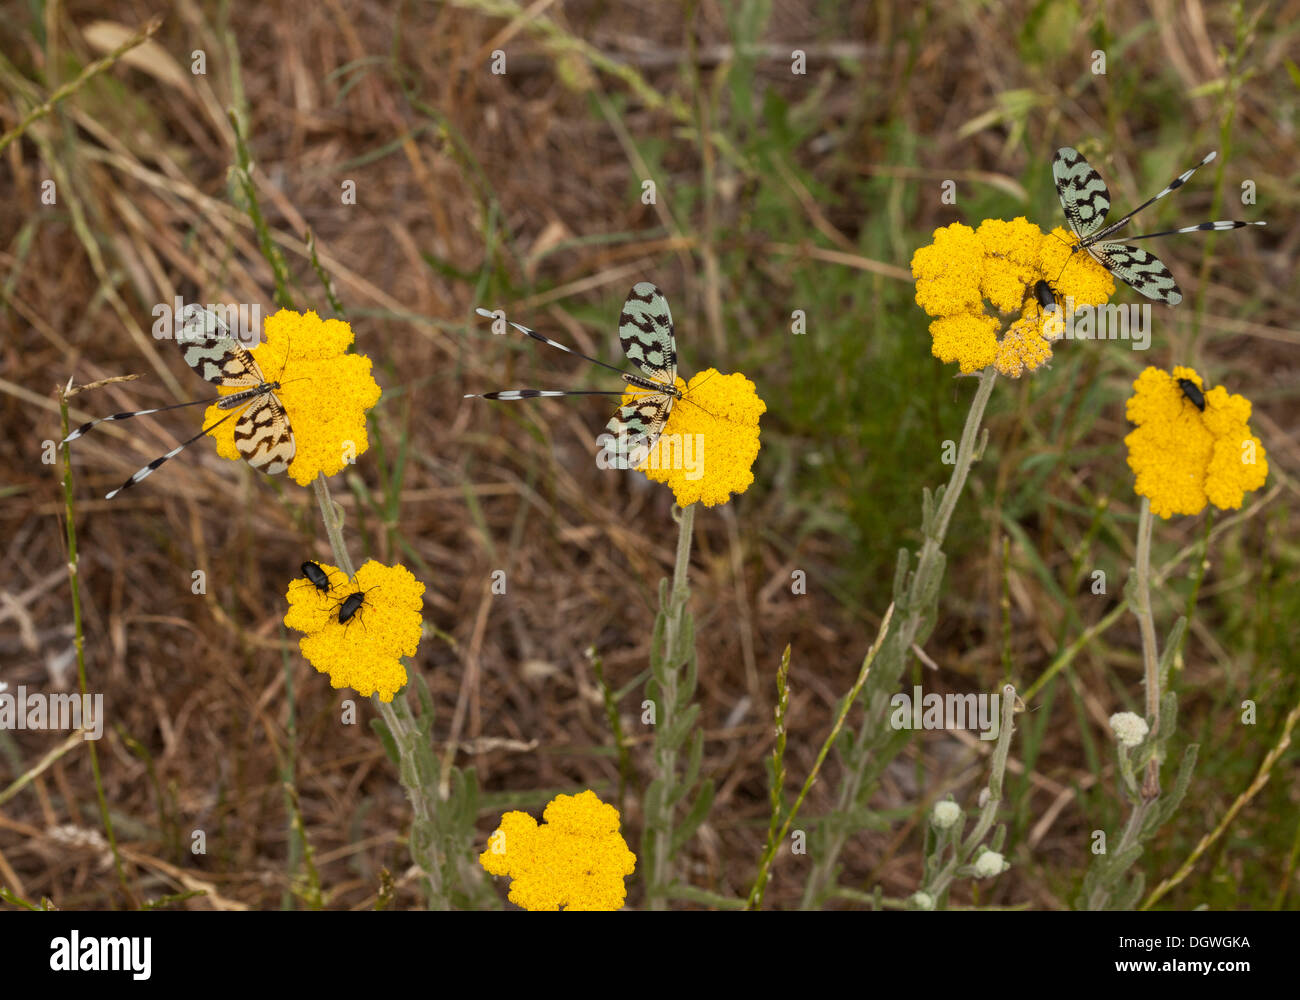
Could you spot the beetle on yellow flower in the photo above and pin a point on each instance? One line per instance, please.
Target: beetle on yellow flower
(359, 641)
(1000, 263)
(1184, 456)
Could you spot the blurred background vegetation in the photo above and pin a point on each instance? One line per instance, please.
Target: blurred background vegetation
(776, 191)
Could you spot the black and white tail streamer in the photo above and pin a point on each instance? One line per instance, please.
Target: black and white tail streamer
(645, 329)
(262, 433)
(1086, 200)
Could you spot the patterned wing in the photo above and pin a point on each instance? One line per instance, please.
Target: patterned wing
(637, 426)
(1083, 193)
(646, 330)
(1138, 268)
(213, 354)
(262, 435)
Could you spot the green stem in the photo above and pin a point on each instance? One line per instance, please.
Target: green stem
(404, 730)
(615, 724)
(425, 852)
(333, 519)
(79, 639)
(962, 852)
(68, 89)
(1141, 605)
(1150, 651)
(665, 747)
(755, 900)
(243, 173)
(917, 602)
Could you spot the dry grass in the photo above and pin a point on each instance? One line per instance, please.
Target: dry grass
(502, 178)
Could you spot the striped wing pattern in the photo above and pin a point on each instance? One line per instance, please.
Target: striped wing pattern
(215, 356)
(1085, 200)
(1083, 193)
(1140, 269)
(262, 434)
(645, 329)
(637, 426)
(263, 437)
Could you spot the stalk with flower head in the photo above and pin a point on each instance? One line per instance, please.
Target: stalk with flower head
(999, 263)
(721, 413)
(328, 414)
(1191, 447)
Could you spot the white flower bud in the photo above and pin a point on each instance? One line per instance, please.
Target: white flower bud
(945, 814)
(922, 901)
(1129, 729)
(990, 863)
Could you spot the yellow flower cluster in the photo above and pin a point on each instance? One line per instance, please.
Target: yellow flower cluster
(576, 860)
(325, 391)
(363, 652)
(1184, 457)
(1000, 263)
(707, 449)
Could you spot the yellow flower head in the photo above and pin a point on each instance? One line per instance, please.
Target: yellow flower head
(999, 264)
(576, 860)
(325, 391)
(363, 652)
(1184, 457)
(707, 449)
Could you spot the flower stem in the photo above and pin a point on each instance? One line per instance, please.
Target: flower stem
(401, 723)
(681, 587)
(79, 639)
(333, 524)
(424, 806)
(755, 900)
(963, 851)
(1150, 650)
(917, 600)
(1141, 605)
(659, 818)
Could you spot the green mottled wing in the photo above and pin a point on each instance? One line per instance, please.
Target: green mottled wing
(646, 331)
(637, 426)
(1140, 269)
(1083, 193)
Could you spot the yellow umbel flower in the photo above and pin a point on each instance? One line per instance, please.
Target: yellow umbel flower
(1000, 263)
(363, 652)
(707, 449)
(576, 860)
(1184, 457)
(1024, 346)
(325, 391)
